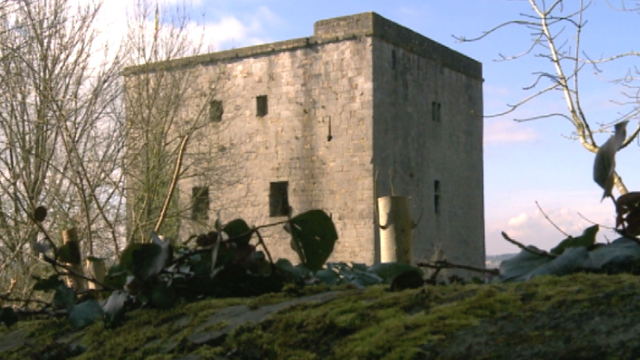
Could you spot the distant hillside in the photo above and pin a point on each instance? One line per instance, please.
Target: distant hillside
(493, 261)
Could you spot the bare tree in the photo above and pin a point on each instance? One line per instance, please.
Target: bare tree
(173, 118)
(61, 135)
(557, 31)
(73, 128)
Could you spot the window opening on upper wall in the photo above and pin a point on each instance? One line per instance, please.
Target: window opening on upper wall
(393, 59)
(436, 111)
(200, 203)
(436, 196)
(279, 198)
(215, 111)
(262, 107)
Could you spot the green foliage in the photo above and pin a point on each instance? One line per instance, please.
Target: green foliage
(48, 284)
(146, 260)
(341, 273)
(114, 308)
(116, 276)
(64, 298)
(579, 254)
(69, 253)
(85, 313)
(587, 239)
(314, 235)
(156, 275)
(239, 232)
(8, 316)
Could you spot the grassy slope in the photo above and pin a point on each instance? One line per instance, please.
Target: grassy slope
(572, 317)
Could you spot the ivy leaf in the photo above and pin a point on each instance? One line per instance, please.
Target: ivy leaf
(517, 267)
(48, 284)
(569, 262)
(64, 298)
(236, 229)
(116, 276)
(85, 313)
(298, 273)
(69, 253)
(8, 316)
(201, 263)
(114, 308)
(587, 239)
(316, 235)
(619, 251)
(146, 260)
(328, 277)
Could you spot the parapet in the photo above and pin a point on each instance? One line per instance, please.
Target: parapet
(331, 30)
(372, 24)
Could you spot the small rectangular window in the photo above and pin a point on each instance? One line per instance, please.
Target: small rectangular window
(262, 108)
(436, 196)
(215, 111)
(279, 198)
(200, 203)
(436, 111)
(393, 59)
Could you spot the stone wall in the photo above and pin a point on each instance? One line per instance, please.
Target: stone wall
(316, 136)
(428, 145)
(352, 101)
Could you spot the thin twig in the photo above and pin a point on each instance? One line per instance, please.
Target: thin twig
(71, 272)
(264, 246)
(174, 182)
(8, 298)
(551, 222)
(595, 223)
(444, 264)
(526, 248)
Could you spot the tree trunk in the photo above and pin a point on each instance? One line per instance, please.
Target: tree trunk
(396, 228)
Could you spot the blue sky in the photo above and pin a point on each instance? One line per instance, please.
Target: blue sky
(524, 162)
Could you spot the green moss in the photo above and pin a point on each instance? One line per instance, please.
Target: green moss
(369, 324)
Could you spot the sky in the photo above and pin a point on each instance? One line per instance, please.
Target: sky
(527, 165)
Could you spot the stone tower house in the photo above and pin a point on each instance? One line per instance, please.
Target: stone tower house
(362, 108)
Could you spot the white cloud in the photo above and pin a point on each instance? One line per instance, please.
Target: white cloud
(229, 31)
(533, 228)
(219, 32)
(502, 131)
(519, 220)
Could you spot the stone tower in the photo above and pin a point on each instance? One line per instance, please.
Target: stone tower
(362, 108)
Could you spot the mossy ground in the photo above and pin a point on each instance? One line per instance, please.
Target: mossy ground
(590, 316)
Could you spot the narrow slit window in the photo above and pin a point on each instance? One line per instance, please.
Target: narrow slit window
(279, 198)
(436, 196)
(200, 203)
(436, 111)
(393, 59)
(262, 106)
(215, 111)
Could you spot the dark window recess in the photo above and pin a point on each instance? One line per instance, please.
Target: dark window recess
(393, 59)
(436, 111)
(279, 198)
(200, 203)
(262, 106)
(215, 111)
(436, 196)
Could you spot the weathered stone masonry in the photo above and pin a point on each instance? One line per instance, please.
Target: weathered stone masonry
(362, 100)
